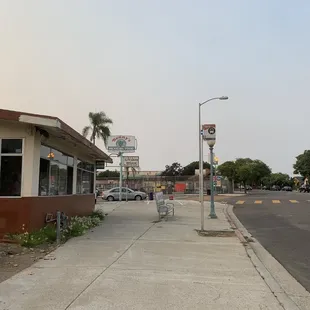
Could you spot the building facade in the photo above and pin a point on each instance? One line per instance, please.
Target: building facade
(45, 166)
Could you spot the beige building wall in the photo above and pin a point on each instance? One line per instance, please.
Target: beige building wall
(31, 150)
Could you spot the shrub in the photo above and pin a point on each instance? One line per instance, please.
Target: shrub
(77, 227)
(99, 214)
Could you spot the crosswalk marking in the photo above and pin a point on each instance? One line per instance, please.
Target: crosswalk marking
(267, 201)
(240, 202)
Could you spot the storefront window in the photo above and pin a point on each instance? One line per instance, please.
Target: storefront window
(85, 178)
(11, 158)
(56, 177)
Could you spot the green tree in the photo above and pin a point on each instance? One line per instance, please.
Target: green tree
(302, 165)
(108, 174)
(190, 168)
(174, 170)
(98, 128)
(250, 171)
(280, 179)
(228, 170)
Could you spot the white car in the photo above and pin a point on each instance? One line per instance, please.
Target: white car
(113, 194)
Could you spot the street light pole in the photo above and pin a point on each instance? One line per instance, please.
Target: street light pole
(201, 159)
(212, 209)
(202, 210)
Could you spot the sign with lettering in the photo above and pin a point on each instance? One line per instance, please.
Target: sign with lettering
(131, 161)
(100, 164)
(122, 144)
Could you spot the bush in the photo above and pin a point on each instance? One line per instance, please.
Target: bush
(35, 238)
(99, 214)
(77, 227)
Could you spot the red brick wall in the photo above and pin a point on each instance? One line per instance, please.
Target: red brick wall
(31, 211)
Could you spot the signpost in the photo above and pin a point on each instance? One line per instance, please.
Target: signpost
(122, 144)
(209, 135)
(131, 161)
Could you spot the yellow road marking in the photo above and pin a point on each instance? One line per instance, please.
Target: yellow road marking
(294, 201)
(240, 202)
(258, 202)
(276, 201)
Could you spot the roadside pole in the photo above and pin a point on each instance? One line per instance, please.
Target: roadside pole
(212, 208)
(202, 210)
(121, 176)
(209, 134)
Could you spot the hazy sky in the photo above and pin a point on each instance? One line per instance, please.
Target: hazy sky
(148, 63)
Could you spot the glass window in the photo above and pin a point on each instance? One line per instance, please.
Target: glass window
(58, 179)
(45, 152)
(44, 177)
(59, 157)
(70, 161)
(11, 146)
(116, 190)
(56, 172)
(86, 182)
(10, 175)
(69, 180)
(79, 182)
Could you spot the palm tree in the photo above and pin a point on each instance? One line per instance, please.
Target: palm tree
(99, 127)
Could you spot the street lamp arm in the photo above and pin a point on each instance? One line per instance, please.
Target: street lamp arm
(215, 98)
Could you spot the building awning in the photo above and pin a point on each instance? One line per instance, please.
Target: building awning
(49, 125)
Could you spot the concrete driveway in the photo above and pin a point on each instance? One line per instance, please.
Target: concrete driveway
(133, 262)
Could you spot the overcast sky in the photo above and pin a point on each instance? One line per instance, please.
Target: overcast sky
(148, 63)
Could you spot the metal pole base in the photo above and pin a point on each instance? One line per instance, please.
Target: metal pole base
(212, 214)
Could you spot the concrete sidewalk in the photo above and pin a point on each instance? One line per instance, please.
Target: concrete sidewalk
(132, 262)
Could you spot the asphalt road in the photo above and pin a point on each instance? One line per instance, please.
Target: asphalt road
(280, 221)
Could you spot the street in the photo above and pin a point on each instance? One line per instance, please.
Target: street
(280, 221)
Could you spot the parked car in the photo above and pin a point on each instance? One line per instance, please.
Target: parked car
(248, 188)
(266, 188)
(275, 188)
(113, 194)
(287, 188)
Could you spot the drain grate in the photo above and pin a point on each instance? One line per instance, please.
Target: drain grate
(216, 233)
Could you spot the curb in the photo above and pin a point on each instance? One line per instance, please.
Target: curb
(280, 282)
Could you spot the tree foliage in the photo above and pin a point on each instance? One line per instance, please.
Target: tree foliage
(190, 168)
(107, 174)
(228, 169)
(174, 170)
(302, 165)
(177, 170)
(280, 179)
(98, 128)
(245, 170)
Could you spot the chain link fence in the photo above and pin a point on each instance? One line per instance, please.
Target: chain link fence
(168, 185)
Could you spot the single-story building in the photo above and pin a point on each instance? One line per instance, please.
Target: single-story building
(45, 166)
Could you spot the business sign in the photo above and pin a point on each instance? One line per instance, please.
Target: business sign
(131, 161)
(100, 164)
(209, 133)
(122, 144)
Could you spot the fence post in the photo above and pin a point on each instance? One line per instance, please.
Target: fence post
(58, 237)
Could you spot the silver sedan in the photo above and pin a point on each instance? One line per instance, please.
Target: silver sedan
(127, 193)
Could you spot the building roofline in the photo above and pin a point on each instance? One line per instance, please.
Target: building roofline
(54, 122)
